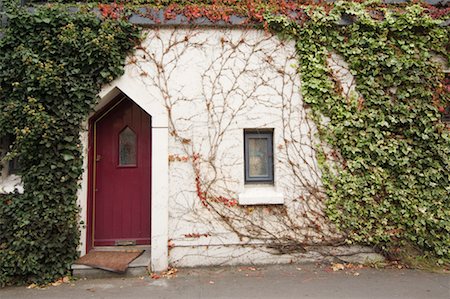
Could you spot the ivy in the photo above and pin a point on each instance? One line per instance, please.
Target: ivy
(391, 187)
(52, 66)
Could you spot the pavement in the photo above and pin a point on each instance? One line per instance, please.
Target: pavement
(273, 281)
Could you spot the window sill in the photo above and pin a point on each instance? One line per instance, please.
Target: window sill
(260, 195)
(10, 184)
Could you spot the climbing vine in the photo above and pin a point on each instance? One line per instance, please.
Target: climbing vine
(390, 184)
(53, 64)
(385, 160)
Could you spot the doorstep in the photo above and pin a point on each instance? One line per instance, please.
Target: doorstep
(138, 267)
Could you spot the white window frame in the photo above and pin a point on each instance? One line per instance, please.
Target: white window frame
(9, 181)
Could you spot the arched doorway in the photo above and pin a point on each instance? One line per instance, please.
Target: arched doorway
(121, 175)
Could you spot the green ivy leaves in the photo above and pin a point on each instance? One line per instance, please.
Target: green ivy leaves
(392, 183)
(53, 64)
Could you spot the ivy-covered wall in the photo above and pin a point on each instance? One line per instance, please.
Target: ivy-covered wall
(386, 177)
(390, 183)
(52, 65)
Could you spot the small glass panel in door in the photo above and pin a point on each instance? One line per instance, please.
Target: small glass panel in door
(127, 147)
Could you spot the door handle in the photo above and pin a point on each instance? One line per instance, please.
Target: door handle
(98, 158)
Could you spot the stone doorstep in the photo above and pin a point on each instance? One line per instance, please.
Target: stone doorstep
(325, 254)
(138, 267)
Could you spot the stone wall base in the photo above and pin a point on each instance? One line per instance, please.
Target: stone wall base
(229, 255)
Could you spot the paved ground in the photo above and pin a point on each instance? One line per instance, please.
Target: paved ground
(286, 281)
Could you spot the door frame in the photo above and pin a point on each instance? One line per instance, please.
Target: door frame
(93, 166)
(138, 93)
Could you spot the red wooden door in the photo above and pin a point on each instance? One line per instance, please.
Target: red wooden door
(122, 176)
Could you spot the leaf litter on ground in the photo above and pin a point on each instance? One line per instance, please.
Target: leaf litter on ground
(170, 273)
(349, 267)
(56, 283)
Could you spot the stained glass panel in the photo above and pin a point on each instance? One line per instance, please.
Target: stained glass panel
(127, 147)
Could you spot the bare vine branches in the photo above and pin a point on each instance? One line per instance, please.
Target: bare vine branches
(214, 84)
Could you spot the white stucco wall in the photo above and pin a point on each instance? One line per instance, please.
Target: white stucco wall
(216, 83)
(203, 87)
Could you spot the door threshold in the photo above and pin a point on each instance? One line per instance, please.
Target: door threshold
(122, 248)
(138, 267)
(142, 262)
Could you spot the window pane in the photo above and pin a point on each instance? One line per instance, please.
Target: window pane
(13, 166)
(5, 144)
(258, 157)
(127, 147)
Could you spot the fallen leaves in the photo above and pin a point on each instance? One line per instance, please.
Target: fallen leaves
(247, 268)
(351, 268)
(397, 264)
(155, 276)
(58, 282)
(170, 273)
(33, 286)
(337, 267)
(250, 271)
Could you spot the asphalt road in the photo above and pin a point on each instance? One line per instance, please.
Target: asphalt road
(276, 281)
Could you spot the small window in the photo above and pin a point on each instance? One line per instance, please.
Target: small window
(127, 147)
(12, 166)
(258, 151)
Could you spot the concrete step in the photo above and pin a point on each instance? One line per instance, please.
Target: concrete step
(138, 267)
